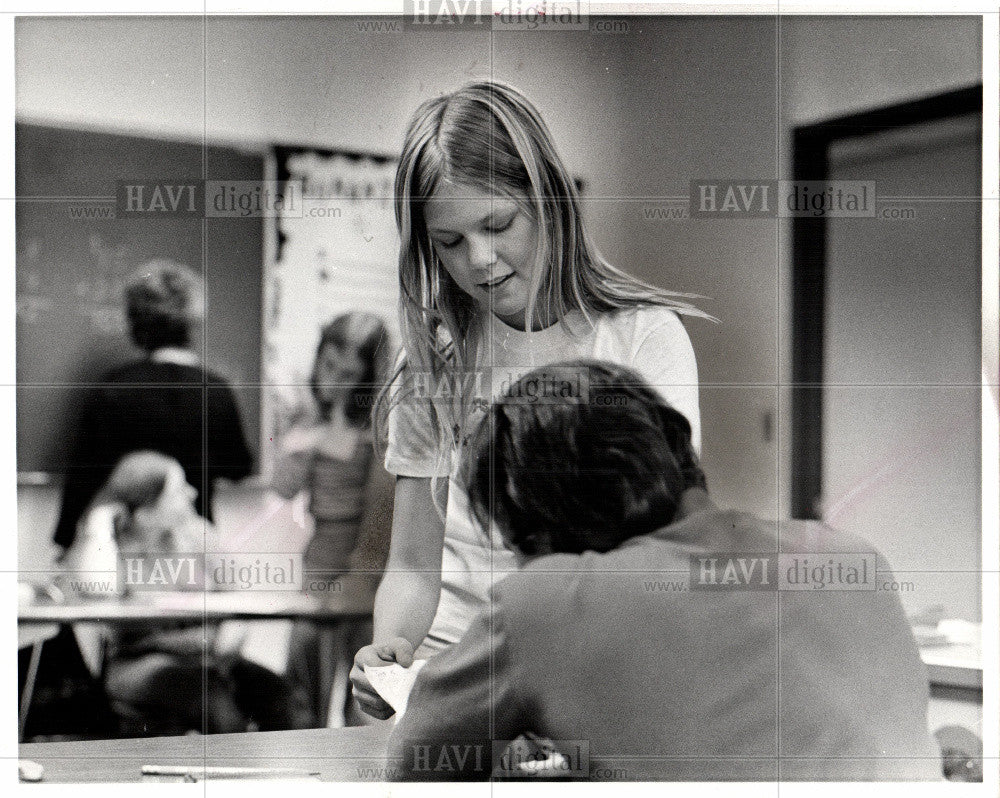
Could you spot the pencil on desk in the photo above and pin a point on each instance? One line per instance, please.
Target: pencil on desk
(544, 743)
(211, 772)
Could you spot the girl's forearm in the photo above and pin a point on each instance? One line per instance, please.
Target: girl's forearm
(405, 605)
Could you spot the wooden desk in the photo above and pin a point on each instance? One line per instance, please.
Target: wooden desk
(352, 754)
(954, 665)
(353, 597)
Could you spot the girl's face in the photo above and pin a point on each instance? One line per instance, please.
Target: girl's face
(176, 504)
(486, 242)
(337, 371)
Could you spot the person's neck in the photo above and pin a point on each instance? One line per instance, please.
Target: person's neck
(693, 500)
(543, 318)
(174, 354)
(338, 418)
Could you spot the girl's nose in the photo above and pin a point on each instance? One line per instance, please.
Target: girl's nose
(481, 251)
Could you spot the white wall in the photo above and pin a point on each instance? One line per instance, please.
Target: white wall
(704, 100)
(319, 81)
(717, 98)
(636, 114)
(901, 454)
(838, 65)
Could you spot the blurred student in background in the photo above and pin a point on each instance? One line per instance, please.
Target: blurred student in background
(167, 401)
(329, 454)
(329, 451)
(169, 678)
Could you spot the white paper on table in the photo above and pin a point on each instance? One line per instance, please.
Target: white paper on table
(394, 682)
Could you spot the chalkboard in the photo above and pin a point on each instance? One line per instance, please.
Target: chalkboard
(72, 254)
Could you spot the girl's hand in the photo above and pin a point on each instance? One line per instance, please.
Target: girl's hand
(399, 650)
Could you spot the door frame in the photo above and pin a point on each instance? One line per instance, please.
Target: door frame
(810, 162)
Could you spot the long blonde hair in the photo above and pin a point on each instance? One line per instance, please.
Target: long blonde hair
(488, 135)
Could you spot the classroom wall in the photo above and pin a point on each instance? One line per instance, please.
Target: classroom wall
(301, 80)
(732, 118)
(636, 114)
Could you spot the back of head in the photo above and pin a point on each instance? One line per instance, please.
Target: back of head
(137, 481)
(578, 456)
(163, 301)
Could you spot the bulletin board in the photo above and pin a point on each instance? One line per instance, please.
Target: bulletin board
(336, 252)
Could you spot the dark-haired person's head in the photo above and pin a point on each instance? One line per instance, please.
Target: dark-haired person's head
(164, 300)
(583, 473)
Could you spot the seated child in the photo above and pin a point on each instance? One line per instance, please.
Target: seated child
(720, 679)
(165, 678)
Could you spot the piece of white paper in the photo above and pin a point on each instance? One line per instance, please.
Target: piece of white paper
(394, 682)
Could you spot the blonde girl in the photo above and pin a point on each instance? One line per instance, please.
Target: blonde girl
(497, 277)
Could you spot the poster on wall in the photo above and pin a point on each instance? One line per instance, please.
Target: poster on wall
(334, 253)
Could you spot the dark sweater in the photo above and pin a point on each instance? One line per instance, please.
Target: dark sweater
(185, 412)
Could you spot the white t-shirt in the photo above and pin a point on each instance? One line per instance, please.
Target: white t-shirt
(652, 340)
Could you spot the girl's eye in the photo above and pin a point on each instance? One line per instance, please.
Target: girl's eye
(449, 244)
(499, 228)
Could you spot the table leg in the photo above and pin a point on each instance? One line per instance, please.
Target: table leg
(330, 644)
(29, 688)
(337, 717)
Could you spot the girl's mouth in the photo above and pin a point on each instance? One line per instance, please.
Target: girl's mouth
(496, 282)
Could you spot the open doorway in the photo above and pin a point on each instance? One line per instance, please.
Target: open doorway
(887, 361)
